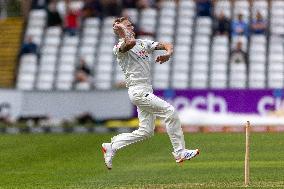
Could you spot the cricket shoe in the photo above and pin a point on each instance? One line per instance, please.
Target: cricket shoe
(185, 155)
(108, 154)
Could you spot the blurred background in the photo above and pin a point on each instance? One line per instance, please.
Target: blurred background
(58, 72)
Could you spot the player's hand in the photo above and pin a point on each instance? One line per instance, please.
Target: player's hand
(163, 58)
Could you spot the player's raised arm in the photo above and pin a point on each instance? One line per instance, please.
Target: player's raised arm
(124, 29)
(167, 47)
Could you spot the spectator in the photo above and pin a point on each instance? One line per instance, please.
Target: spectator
(112, 8)
(53, 17)
(258, 24)
(239, 27)
(92, 8)
(204, 7)
(238, 55)
(72, 22)
(221, 25)
(158, 3)
(83, 72)
(143, 4)
(39, 4)
(129, 4)
(29, 47)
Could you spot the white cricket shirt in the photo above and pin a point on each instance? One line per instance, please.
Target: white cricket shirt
(135, 63)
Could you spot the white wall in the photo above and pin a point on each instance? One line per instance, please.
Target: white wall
(61, 104)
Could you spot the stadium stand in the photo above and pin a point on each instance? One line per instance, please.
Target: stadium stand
(201, 58)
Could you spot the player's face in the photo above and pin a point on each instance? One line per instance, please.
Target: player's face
(129, 26)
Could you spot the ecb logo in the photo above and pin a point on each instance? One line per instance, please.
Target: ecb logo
(269, 103)
(210, 103)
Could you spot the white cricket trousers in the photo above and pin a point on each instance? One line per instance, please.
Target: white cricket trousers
(148, 107)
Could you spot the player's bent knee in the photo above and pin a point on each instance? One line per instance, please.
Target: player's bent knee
(172, 114)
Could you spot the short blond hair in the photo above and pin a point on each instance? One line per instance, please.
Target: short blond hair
(118, 21)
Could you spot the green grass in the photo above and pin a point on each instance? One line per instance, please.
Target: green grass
(75, 161)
